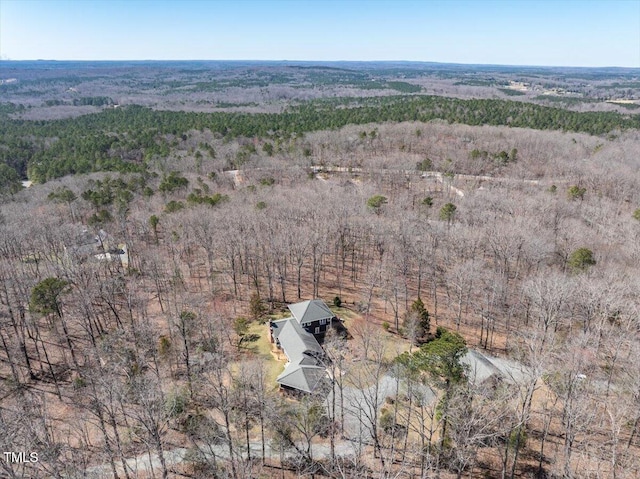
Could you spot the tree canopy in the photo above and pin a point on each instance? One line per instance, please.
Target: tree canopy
(45, 296)
(123, 139)
(441, 357)
(447, 212)
(581, 259)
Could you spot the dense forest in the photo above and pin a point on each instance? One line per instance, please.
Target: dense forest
(482, 255)
(125, 139)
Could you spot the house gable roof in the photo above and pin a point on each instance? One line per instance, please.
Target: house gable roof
(304, 371)
(296, 342)
(276, 326)
(303, 377)
(310, 311)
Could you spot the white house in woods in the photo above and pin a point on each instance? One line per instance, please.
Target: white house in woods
(296, 337)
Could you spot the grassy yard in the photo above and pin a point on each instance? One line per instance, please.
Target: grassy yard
(257, 341)
(262, 348)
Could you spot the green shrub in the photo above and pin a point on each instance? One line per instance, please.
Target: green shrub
(256, 308)
(447, 212)
(173, 206)
(376, 201)
(79, 383)
(196, 198)
(176, 403)
(268, 181)
(518, 437)
(100, 218)
(173, 181)
(164, 345)
(424, 165)
(576, 193)
(581, 259)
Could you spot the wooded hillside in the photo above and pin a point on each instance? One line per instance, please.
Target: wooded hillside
(521, 242)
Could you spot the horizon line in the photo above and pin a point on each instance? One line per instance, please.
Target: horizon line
(317, 62)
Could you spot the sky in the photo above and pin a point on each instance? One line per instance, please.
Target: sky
(505, 32)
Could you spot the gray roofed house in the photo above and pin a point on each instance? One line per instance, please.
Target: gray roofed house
(297, 343)
(305, 370)
(275, 327)
(310, 311)
(313, 315)
(303, 378)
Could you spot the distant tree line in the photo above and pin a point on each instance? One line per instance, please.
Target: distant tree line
(85, 100)
(123, 139)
